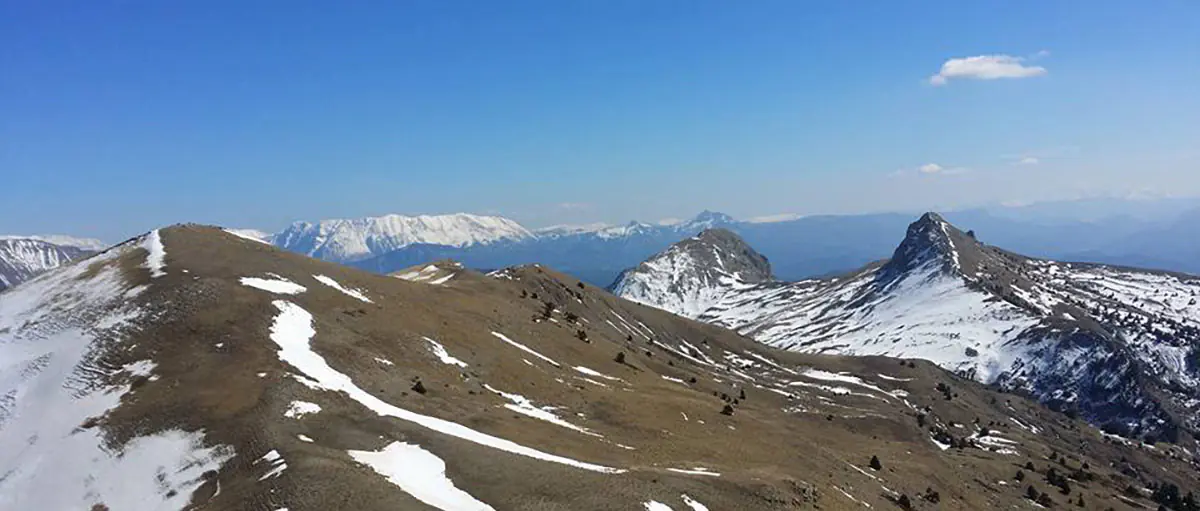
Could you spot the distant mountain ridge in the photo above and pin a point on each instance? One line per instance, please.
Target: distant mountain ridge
(357, 239)
(800, 247)
(24, 257)
(1118, 345)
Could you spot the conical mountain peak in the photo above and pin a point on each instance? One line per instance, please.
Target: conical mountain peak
(930, 240)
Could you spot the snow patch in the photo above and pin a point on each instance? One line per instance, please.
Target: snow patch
(440, 352)
(353, 293)
(526, 349)
(301, 408)
(292, 331)
(421, 474)
(277, 285)
(156, 260)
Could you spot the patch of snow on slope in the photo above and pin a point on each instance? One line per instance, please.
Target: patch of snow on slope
(156, 260)
(697, 471)
(526, 349)
(275, 462)
(655, 505)
(597, 374)
(440, 352)
(51, 383)
(353, 293)
(421, 474)
(292, 331)
(524, 406)
(278, 285)
(693, 504)
(301, 408)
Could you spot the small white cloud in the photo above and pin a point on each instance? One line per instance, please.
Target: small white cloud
(986, 67)
(929, 169)
(670, 221)
(933, 169)
(1028, 160)
(768, 219)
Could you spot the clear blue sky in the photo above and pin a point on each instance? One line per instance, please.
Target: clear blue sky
(116, 117)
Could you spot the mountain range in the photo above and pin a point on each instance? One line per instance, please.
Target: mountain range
(1117, 345)
(197, 368)
(22, 257)
(801, 247)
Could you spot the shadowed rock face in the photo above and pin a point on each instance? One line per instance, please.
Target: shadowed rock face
(1117, 345)
(191, 367)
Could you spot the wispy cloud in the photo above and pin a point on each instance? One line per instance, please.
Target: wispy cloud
(929, 169)
(1028, 160)
(987, 67)
(781, 217)
(933, 169)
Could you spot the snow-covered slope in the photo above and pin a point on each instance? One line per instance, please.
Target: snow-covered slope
(351, 240)
(1119, 345)
(695, 274)
(66, 366)
(21, 258)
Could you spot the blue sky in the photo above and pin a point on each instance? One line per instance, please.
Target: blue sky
(116, 117)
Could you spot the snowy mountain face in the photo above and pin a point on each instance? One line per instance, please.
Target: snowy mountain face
(693, 275)
(1121, 346)
(21, 258)
(195, 368)
(357, 239)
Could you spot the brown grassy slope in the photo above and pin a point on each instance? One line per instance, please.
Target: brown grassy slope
(804, 450)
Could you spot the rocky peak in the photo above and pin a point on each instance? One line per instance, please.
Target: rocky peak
(931, 239)
(693, 274)
(726, 252)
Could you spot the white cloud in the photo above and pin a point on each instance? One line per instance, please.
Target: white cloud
(987, 67)
(1028, 160)
(929, 169)
(781, 217)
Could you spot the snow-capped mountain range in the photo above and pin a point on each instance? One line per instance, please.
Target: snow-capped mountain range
(361, 238)
(1119, 345)
(801, 247)
(22, 257)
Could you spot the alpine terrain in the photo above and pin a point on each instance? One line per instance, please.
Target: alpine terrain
(22, 257)
(193, 368)
(357, 239)
(1119, 346)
